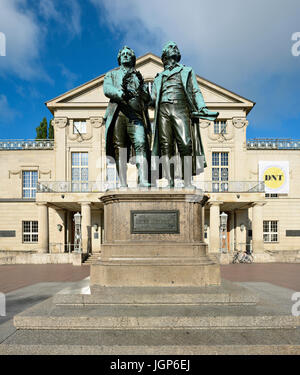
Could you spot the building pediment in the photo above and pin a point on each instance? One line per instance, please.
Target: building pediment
(90, 94)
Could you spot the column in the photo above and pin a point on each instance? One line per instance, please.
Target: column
(257, 227)
(214, 227)
(43, 227)
(101, 229)
(86, 220)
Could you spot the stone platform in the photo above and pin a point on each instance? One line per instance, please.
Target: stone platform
(154, 238)
(225, 307)
(227, 293)
(141, 342)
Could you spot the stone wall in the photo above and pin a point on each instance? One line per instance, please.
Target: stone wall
(65, 258)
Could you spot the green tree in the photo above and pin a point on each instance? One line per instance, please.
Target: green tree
(44, 131)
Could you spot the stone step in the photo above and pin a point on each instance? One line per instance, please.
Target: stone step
(227, 293)
(42, 349)
(93, 258)
(47, 315)
(167, 342)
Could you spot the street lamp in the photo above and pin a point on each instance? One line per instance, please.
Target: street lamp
(223, 232)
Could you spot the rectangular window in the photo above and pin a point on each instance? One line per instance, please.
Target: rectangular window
(29, 181)
(271, 195)
(270, 229)
(80, 171)
(30, 231)
(220, 173)
(79, 126)
(220, 127)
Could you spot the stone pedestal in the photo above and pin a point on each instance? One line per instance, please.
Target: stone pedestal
(161, 246)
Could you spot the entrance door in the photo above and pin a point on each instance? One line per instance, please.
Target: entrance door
(228, 230)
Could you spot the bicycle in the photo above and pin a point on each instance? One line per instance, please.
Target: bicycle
(242, 257)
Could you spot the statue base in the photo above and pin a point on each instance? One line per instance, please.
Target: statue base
(154, 238)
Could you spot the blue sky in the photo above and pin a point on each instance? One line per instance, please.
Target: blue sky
(245, 46)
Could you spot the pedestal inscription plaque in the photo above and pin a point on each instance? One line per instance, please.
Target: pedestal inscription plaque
(158, 221)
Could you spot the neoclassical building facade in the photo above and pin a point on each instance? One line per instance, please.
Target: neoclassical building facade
(45, 183)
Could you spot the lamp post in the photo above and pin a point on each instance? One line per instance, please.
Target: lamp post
(223, 232)
(77, 236)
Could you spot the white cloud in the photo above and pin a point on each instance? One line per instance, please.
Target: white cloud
(26, 34)
(69, 77)
(218, 35)
(48, 10)
(23, 40)
(7, 113)
(75, 17)
(68, 16)
(241, 45)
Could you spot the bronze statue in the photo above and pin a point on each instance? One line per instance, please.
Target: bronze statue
(178, 105)
(127, 125)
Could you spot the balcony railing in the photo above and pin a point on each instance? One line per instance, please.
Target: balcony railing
(99, 186)
(231, 186)
(26, 144)
(273, 144)
(72, 187)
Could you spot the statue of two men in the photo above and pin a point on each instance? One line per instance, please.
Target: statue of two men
(179, 105)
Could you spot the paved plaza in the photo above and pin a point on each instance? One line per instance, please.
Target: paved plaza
(13, 277)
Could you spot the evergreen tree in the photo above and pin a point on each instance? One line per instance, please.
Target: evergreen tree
(42, 130)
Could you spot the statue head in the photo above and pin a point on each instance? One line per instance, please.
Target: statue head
(170, 50)
(126, 56)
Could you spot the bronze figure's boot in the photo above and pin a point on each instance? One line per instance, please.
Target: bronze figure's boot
(142, 166)
(168, 170)
(122, 173)
(187, 172)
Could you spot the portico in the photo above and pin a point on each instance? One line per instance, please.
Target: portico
(244, 223)
(58, 210)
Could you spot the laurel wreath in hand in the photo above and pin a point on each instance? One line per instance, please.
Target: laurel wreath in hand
(127, 82)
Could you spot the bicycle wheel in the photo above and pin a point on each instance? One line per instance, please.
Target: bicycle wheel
(235, 258)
